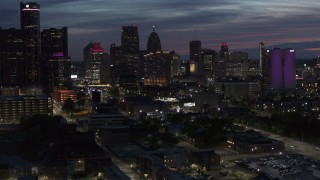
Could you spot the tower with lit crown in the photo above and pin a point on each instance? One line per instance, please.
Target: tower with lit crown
(30, 25)
(224, 51)
(154, 43)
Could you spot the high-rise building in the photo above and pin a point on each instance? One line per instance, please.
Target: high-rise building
(157, 67)
(175, 64)
(196, 65)
(265, 71)
(130, 40)
(30, 25)
(59, 71)
(12, 69)
(261, 52)
(237, 62)
(130, 49)
(278, 69)
(224, 51)
(54, 42)
(282, 69)
(56, 69)
(154, 43)
(209, 58)
(93, 56)
(117, 64)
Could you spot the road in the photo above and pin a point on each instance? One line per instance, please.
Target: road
(125, 167)
(57, 111)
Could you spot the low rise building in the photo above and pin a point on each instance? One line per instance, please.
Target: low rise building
(60, 95)
(13, 108)
(206, 159)
(254, 142)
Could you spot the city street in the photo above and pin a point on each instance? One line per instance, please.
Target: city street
(58, 111)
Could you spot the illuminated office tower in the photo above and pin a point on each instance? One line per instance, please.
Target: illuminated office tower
(209, 58)
(157, 68)
(154, 43)
(93, 55)
(56, 62)
(30, 25)
(282, 69)
(12, 69)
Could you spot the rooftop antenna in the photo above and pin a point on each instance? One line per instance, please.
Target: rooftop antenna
(153, 27)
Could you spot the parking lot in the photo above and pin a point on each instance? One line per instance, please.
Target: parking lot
(287, 166)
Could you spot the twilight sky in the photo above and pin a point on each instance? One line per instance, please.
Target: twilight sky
(240, 23)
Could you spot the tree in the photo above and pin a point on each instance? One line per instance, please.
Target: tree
(68, 105)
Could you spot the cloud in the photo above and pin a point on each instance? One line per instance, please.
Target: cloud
(312, 49)
(243, 24)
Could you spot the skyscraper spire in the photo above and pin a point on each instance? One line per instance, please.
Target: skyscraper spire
(154, 43)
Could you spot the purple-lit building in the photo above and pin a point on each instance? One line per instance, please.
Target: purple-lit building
(282, 68)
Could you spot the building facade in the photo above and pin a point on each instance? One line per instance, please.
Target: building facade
(13, 108)
(157, 68)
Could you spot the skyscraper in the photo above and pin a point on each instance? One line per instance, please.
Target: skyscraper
(30, 25)
(12, 70)
(196, 64)
(265, 71)
(54, 42)
(130, 49)
(209, 60)
(224, 51)
(282, 69)
(93, 56)
(130, 40)
(261, 53)
(157, 68)
(154, 43)
(278, 70)
(56, 63)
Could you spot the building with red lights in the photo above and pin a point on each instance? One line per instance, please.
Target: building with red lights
(224, 51)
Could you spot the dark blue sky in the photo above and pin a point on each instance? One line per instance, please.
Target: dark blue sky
(240, 23)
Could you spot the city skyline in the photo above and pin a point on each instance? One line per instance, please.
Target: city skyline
(241, 24)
